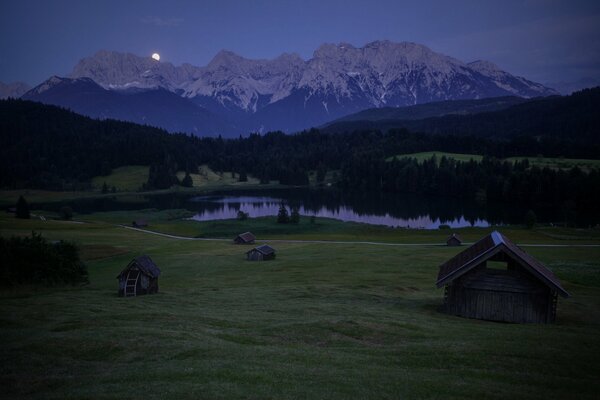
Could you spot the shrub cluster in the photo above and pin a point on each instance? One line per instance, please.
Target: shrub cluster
(34, 260)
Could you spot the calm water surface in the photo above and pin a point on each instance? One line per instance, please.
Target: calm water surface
(227, 206)
(424, 212)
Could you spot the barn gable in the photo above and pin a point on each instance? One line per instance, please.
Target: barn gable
(495, 280)
(486, 249)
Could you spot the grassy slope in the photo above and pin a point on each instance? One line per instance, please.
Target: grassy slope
(321, 321)
(556, 163)
(125, 179)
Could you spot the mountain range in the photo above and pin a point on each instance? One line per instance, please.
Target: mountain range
(13, 90)
(234, 95)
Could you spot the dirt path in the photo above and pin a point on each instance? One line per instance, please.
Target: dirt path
(342, 241)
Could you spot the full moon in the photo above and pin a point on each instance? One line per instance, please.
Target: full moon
(156, 56)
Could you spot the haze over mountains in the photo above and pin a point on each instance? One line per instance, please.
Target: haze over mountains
(14, 90)
(233, 95)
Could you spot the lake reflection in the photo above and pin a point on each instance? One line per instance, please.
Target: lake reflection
(227, 207)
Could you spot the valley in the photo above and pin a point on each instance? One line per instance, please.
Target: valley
(333, 318)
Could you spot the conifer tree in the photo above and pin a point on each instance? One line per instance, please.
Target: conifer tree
(282, 215)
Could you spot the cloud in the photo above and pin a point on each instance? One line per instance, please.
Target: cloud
(161, 21)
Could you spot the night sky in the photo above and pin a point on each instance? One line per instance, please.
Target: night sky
(543, 40)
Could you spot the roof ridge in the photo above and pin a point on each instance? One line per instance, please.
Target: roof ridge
(497, 238)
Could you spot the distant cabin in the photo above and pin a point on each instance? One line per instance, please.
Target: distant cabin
(261, 253)
(11, 210)
(496, 280)
(454, 240)
(139, 277)
(244, 238)
(139, 223)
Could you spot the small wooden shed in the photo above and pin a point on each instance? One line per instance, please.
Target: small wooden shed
(139, 223)
(244, 238)
(496, 280)
(261, 253)
(139, 277)
(454, 240)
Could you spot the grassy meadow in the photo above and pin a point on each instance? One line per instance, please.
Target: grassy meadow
(323, 320)
(541, 162)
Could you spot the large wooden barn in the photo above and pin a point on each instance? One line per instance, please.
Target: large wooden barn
(244, 238)
(139, 277)
(261, 253)
(496, 280)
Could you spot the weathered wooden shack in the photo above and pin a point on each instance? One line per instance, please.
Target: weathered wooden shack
(244, 238)
(261, 253)
(496, 280)
(454, 240)
(139, 223)
(139, 277)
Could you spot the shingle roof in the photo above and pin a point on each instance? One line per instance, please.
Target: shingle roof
(145, 264)
(484, 250)
(264, 249)
(247, 236)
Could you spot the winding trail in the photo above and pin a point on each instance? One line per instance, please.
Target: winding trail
(342, 241)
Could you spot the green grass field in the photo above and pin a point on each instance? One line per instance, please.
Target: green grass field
(554, 163)
(124, 179)
(333, 321)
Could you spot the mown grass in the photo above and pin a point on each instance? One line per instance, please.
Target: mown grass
(541, 162)
(321, 321)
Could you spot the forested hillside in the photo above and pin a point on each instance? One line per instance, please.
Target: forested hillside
(575, 117)
(48, 147)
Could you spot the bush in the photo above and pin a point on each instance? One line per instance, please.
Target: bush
(242, 216)
(22, 208)
(66, 213)
(530, 219)
(187, 181)
(444, 226)
(295, 215)
(32, 260)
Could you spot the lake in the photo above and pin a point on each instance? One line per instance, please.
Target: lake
(414, 211)
(217, 207)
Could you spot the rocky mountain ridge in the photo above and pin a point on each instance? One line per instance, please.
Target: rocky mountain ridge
(288, 93)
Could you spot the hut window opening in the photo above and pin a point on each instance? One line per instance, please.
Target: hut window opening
(497, 265)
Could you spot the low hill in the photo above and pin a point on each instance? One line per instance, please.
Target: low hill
(156, 107)
(575, 117)
(435, 109)
(49, 147)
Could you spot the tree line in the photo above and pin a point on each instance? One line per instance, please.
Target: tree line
(51, 148)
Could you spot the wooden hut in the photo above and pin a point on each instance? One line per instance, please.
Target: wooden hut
(244, 238)
(261, 253)
(139, 223)
(139, 277)
(496, 280)
(454, 240)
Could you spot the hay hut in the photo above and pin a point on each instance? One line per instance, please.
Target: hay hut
(139, 277)
(244, 238)
(496, 280)
(454, 240)
(261, 253)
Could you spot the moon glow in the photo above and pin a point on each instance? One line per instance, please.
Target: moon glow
(156, 56)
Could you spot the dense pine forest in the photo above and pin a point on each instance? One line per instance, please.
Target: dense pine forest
(51, 148)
